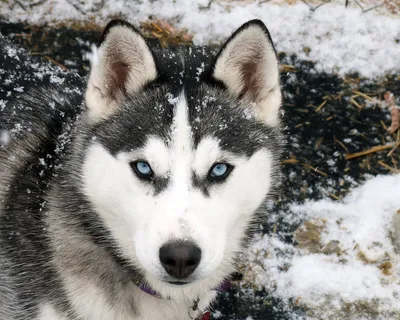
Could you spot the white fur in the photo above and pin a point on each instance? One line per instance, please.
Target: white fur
(94, 306)
(47, 312)
(142, 222)
(207, 152)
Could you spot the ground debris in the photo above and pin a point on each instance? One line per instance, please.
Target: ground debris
(308, 236)
(332, 247)
(369, 151)
(394, 112)
(166, 33)
(396, 230)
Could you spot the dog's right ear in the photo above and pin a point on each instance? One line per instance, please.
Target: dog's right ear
(122, 65)
(247, 66)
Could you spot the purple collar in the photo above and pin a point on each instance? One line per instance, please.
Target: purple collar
(223, 286)
(206, 315)
(146, 288)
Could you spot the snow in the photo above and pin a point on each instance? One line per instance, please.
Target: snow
(339, 39)
(363, 269)
(4, 137)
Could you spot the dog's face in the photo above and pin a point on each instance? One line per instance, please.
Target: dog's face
(179, 164)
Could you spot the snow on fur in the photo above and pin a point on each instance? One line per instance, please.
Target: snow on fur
(359, 277)
(338, 39)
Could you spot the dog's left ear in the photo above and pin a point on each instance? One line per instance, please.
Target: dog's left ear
(248, 66)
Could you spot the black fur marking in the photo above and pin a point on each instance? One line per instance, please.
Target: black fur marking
(160, 184)
(201, 184)
(37, 129)
(212, 112)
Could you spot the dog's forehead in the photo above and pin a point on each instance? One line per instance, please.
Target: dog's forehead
(165, 115)
(209, 111)
(214, 114)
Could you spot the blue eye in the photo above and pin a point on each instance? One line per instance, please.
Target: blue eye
(142, 169)
(219, 171)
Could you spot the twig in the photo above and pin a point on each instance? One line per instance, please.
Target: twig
(321, 4)
(57, 63)
(287, 68)
(369, 151)
(290, 161)
(38, 3)
(333, 196)
(96, 8)
(321, 105)
(310, 6)
(396, 145)
(77, 7)
(356, 104)
(383, 125)
(394, 148)
(385, 165)
(207, 7)
(21, 5)
(394, 112)
(341, 144)
(315, 8)
(361, 94)
(315, 169)
(374, 7)
(359, 4)
(362, 8)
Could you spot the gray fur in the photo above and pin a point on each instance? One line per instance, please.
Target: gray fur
(48, 228)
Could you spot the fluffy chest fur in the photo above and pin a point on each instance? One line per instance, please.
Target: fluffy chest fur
(150, 308)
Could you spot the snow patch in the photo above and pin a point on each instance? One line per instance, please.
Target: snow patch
(339, 39)
(353, 261)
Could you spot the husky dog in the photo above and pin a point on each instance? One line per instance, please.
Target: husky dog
(138, 205)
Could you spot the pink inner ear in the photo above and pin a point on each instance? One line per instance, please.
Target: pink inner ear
(252, 80)
(252, 76)
(118, 76)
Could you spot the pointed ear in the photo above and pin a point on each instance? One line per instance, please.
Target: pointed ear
(123, 64)
(248, 66)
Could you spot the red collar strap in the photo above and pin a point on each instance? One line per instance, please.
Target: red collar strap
(206, 316)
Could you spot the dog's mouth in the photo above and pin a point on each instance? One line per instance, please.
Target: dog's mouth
(178, 283)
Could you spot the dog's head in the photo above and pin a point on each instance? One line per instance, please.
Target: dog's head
(183, 152)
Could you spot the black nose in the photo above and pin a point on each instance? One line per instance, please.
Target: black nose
(180, 259)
